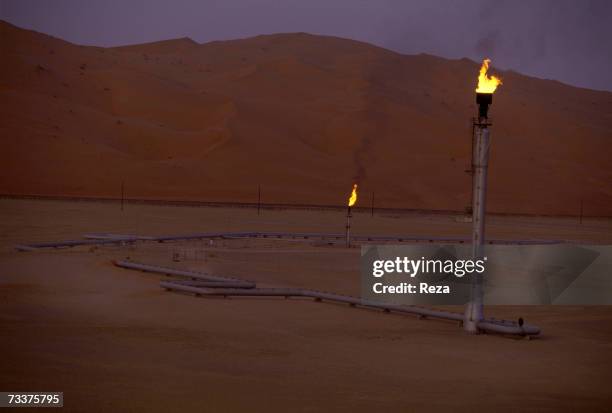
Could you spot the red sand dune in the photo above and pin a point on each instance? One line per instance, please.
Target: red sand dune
(302, 115)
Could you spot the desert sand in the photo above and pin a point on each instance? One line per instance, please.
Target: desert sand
(303, 116)
(112, 340)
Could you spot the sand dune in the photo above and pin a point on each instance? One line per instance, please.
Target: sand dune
(302, 115)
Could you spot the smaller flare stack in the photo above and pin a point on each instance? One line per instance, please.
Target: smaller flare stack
(351, 201)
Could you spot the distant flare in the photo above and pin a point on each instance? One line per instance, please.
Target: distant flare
(351, 201)
(353, 197)
(487, 84)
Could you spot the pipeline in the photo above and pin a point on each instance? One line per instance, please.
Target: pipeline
(126, 239)
(317, 295)
(504, 327)
(508, 328)
(183, 273)
(106, 236)
(213, 285)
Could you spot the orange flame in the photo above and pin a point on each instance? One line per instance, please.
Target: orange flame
(353, 197)
(487, 84)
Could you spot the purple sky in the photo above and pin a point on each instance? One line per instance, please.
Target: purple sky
(567, 40)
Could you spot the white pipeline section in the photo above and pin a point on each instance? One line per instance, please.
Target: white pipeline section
(209, 285)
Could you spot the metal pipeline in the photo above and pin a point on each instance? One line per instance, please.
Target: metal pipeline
(319, 295)
(212, 285)
(182, 273)
(488, 325)
(117, 237)
(278, 235)
(508, 328)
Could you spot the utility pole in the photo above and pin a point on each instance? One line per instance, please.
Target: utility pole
(258, 199)
(372, 203)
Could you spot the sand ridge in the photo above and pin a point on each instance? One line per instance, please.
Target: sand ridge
(303, 116)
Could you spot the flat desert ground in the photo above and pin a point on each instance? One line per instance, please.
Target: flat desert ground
(112, 340)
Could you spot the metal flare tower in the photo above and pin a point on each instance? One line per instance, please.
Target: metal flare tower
(480, 162)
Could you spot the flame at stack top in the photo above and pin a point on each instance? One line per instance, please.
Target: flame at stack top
(353, 198)
(487, 84)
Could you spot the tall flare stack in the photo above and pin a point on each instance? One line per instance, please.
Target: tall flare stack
(480, 163)
(352, 200)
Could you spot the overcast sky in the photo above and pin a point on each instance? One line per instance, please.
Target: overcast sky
(567, 40)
